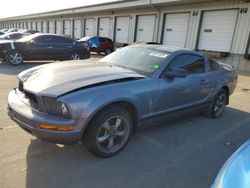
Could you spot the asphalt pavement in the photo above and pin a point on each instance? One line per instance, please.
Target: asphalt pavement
(187, 153)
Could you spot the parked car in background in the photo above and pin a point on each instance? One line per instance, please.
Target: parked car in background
(2, 33)
(99, 44)
(4, 30)
(12, 30)
(30, 31)
(235, 173)
(103, 103)
(42, 47)
(13, 36)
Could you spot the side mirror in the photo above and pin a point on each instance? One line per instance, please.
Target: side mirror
(180, 73)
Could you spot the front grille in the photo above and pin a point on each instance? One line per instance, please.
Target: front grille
(31, 97)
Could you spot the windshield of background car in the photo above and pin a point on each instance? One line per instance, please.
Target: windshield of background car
(85, 38)
(145, 61)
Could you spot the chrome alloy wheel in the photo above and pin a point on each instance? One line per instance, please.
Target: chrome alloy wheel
(15, 58)
(113, 134)
(220, 104)
(75, 56)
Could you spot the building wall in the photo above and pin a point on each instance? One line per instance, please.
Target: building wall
(141, 7)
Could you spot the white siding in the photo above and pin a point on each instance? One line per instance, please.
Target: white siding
(122, 29)
(145, 28)
(176, 28)
(89, 27)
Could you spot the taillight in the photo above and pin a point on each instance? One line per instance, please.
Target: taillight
(86, 46)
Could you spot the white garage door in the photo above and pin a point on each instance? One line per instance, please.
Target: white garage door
(67, 27)
(39, 26)
(29, 25)
(45, 30)
(175, 29)
(34, 25)
(59, 27)
(51, 26)
(77, 29)
(217, 30)
(104, 27)
(122, 29)
(89, 27)
(145, 28)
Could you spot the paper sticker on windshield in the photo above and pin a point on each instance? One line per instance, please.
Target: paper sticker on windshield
(157, 54)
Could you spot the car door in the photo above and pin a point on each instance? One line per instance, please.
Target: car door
(182, 92)
(41, 48)
(103, 44)
(64, 46)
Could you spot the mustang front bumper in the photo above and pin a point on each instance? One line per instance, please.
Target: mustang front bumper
(30, 120)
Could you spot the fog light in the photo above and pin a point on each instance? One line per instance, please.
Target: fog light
(53, 127)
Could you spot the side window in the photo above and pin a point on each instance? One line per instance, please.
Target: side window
(214, 66)
(102, 39)
(191, 63)
(43, 40)
(63, 40)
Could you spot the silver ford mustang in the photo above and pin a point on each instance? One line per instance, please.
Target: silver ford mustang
(103, 103)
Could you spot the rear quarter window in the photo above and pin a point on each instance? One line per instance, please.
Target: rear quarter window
(214, 66)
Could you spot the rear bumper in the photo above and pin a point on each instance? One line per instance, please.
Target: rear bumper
(29, 120)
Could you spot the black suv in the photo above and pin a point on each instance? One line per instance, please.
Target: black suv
(42, 47)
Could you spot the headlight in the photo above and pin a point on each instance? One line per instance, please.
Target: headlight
(55, 107)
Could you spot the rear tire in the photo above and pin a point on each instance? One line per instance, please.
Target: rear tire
(14, 58)
(217, 106)
(108, 132)
(108, 51)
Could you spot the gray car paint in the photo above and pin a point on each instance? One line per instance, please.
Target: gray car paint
(150, 96)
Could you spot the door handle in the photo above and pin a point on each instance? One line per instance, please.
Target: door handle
(50, 47)
(205, 81)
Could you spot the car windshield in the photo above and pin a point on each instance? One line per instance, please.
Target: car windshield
(28, 38)
(85, 38)
(144, 61)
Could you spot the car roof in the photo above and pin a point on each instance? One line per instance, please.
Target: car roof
(166, 48)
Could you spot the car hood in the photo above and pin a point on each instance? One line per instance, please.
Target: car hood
(56, 79)
(236, 171)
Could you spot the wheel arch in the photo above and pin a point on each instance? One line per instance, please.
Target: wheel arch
(126, 105)
(226, 88)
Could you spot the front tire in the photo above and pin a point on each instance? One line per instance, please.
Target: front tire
(217, 106)
(14, 58)
(75, 56)
(108, 132)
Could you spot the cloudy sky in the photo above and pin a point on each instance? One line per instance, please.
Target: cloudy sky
(11, 8)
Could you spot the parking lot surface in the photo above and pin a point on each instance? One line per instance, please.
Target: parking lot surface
(185, 153)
